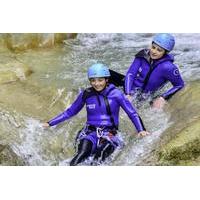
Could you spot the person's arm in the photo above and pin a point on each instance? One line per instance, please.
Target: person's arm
(132, 114)
(68, 113)
(173, 75)
(130, 75)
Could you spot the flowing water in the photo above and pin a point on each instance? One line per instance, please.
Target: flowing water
(58, 75)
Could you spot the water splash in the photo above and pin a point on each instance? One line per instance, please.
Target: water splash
(66, 67)
(30, 148)
(137, 149)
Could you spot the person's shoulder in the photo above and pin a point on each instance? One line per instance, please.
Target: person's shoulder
(87, 92)
(116, 93)
(168, 59)
(88, 89)
(171, 69)
(142, 53)
(169, 66)
(168, 62)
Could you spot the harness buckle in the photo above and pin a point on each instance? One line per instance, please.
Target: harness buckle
(99, 132)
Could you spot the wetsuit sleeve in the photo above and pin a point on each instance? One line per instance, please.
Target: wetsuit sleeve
(173, 75)
(131, 112)
(71, 111)
(131, 74)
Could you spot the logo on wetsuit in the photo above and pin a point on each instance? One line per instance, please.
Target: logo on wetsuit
(176, 72)
(91, 106)
(140, 69)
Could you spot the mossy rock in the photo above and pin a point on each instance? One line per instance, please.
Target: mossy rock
(180, 143)
(184, 149)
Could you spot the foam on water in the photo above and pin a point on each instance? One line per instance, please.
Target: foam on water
(30, 148)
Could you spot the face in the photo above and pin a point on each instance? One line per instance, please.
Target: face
(98, 83)
(156, 52)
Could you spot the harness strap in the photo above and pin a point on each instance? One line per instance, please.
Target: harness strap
(108, 108)
(109, 111)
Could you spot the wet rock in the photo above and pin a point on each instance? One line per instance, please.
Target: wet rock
(13, 71)
(180, 144)
(8, 157)
(60, 37)
(185, 106)
(184, 148)
(23, 41)
(31, 100)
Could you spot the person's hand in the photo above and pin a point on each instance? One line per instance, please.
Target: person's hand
(45, 125)
(143, 133)
(159, 103)
(129, 97)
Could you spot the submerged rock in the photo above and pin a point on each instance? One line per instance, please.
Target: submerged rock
(8, 157)
(13, 71)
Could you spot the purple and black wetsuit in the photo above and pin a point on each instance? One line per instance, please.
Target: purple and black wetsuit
(101, 117)
(149, 75)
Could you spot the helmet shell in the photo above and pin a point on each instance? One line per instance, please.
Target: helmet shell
(98, 70)
(164, 40)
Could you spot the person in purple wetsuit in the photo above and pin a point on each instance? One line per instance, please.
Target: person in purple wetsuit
(152, 69)
(103, 101)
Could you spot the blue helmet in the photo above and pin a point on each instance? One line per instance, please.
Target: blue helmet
(98, 70)
(164, 40)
